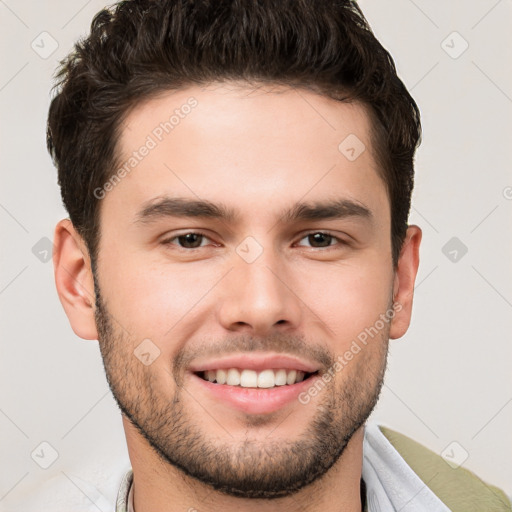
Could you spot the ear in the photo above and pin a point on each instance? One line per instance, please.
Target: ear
(403, 286)
(73, 278)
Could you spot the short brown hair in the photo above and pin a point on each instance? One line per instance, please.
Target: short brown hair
(140, 48)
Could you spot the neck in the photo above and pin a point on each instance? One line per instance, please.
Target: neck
(157, 485)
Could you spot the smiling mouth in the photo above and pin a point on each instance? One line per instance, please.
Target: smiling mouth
(245, 378)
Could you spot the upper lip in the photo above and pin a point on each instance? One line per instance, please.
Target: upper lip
(257, 362)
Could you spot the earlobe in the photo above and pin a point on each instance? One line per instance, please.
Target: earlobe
(73, 279)
(405, 278)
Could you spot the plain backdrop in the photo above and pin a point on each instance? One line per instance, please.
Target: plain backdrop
(448, 383)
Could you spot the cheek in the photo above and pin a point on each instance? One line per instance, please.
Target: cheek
(151, 298)
(348, 297)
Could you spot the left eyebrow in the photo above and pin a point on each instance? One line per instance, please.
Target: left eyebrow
(337, 209)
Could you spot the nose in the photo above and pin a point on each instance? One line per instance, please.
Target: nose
(258, 297)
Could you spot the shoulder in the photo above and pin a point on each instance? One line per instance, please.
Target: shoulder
(458, 488)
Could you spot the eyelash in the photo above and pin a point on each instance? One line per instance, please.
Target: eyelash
(169, 241)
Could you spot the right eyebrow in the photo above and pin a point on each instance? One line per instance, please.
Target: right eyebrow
(181, 207)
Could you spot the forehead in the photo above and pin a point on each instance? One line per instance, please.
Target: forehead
(247, 147)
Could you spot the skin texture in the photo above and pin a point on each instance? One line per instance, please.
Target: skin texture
(257, 152)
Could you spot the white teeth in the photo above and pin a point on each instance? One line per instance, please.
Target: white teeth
(233, 377)
(280, 378)
(221, 376)
(252, 379)
(249, 379)
(266, 379)
(290, 377)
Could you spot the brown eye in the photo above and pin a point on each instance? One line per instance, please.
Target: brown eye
(187, 240)
(190, 240)
(319, 239)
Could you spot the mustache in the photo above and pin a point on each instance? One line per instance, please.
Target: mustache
(294, 345)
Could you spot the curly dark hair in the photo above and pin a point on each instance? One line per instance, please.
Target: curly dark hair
(140, 48)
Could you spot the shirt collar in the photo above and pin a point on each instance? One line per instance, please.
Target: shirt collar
(124, 501)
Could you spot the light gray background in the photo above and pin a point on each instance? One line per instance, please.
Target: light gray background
(449, 378)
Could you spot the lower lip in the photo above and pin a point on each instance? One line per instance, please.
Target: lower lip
(255, 400)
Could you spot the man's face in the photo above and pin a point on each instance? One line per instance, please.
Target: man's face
(184, 290)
